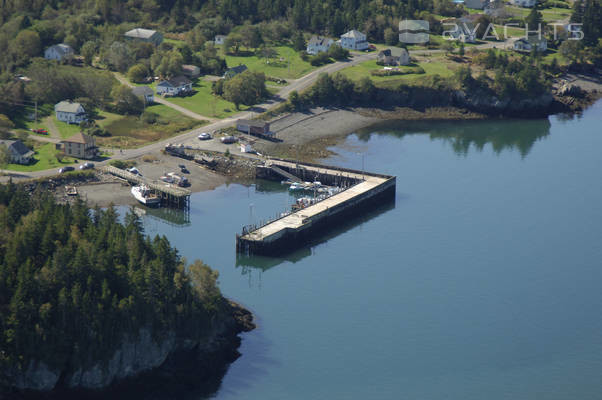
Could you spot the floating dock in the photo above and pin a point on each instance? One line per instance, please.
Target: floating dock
(170, 195)
(361, 189)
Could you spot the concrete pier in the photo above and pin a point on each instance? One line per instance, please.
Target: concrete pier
(363, 189)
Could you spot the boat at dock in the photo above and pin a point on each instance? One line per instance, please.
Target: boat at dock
(71, 190)
(145, 196)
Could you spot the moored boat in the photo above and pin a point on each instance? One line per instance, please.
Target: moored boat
(145, 196)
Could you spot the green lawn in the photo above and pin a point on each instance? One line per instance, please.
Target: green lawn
(549, 14)
(290, 67)
(430, 68)
(66, 130)
(203, 102)
(131, 131)
(45, 158)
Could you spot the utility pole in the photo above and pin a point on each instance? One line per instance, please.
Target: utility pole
(35, 112)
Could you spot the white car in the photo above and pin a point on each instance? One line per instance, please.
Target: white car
(134, 171)
(204, 136)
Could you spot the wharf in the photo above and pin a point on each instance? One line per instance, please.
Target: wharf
(292, 230)
(171, 195)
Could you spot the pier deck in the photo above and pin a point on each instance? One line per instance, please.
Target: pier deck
(299, 226)
(171, 194)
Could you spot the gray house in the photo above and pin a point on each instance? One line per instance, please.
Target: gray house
(219, 39)
(354, 40)
(19, 153)
(144, 35)
(58, 52)
(476, 4)
(175, 86)
(394, 56)
(231, 72)
(69, 112)
(318, 44)
(145, 93)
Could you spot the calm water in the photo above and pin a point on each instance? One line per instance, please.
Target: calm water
(482, 281)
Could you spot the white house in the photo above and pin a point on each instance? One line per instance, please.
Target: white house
(318, 44)
(532, 43)
(524, 3)
(58, 52)
(354, 40)
(219, 39)
(69, 112)
(175, 86)
(145, 93)
(19, 153)
(394, 56)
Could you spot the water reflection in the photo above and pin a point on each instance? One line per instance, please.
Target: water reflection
(502, 135)
(247, 263)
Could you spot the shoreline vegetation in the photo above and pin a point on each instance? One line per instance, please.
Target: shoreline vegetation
(88, 301)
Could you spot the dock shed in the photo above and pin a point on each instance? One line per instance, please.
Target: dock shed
(252, 127)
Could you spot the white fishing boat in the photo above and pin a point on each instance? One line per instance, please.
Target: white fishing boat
(296, 186)
(145, 196)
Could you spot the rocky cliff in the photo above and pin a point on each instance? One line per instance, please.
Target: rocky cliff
(141, 354)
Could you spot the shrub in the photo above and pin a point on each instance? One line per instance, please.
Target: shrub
(149, 117)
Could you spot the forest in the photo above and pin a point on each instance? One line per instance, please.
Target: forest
(75, 280)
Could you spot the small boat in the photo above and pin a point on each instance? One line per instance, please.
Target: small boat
(296, 186)
(145, 196)
(167, 178)
(71, 190)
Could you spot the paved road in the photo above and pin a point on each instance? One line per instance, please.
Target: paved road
(191, 136)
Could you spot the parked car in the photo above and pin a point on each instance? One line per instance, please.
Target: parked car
(40, 131)
(87, 165)
(66, 169)
(228, 139)
(184, 170)
(204, 136)
(134, 171)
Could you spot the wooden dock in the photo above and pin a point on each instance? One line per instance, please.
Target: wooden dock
(170, 195)
(294, 229)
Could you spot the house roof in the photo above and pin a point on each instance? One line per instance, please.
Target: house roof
(142, 91)
(220, 36)
(318, 41)
(67, 106)
(536, 39)
(62, 49)
(253, 122)
(353, 34)
(18, 147)
(176, 81)
(190, 68)
(140, 33)
(79, 138)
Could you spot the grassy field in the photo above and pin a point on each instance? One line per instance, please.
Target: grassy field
(437, 66)
(65, 130)
(548, 14)
(205, 103)
(45, 158)
(131, 131)
(287, 65)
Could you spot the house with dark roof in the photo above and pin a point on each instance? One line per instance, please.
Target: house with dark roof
(80, 145)
(58, 52)
(394, 56)
(354, 40)
(231, 72)
(464, 31)
(19, 153)
(476, 4)
(532, 43)
(145, 93)
(318, 44)
(70, 112)
(175, 86)
(144, 35)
